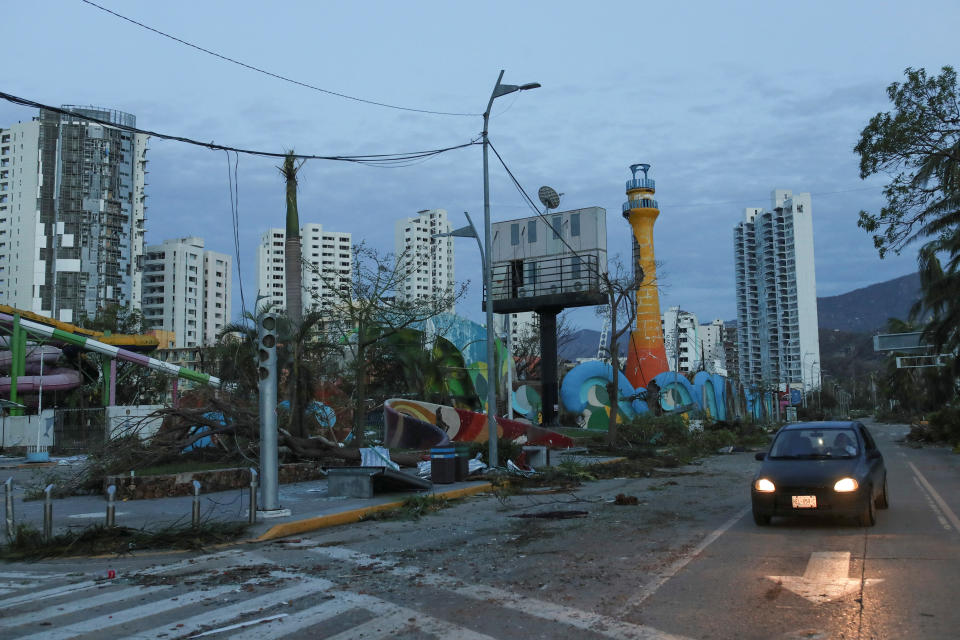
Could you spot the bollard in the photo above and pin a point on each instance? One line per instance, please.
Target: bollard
(8, 486)
(253, 496)
(196, 504)
(133, 484)
(47, 513)
(111, 506)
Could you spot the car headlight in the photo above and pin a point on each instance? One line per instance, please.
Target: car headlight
(845, 484)
(764, 486)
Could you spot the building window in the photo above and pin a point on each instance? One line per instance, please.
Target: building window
(574, 224)
(556, 224)
(514, 234)
(531, 231)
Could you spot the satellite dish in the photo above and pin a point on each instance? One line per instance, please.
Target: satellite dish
(549, 197)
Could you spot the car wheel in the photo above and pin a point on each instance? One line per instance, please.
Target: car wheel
(761, 519)
(882, 501)
(869, 515)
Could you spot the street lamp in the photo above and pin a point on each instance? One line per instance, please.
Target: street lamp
(498, 90)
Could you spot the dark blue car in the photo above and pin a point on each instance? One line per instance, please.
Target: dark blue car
(821, 469)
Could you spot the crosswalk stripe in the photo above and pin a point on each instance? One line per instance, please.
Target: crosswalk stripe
(25, 575)
(47, 593)
(80, 605)
(391, 618)
(191, 563)
(226, 614)
(594, 622)
(379, 627)
(295, 621)
(133, 613)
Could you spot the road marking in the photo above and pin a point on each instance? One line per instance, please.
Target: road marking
(388, 619)
(577, 618)
(651, 587)
(300, 619)
(100, 623)
(223, 615)
(825, 579)
(80, 605)
(47, 593)
(951, 516)
(241, 558)
(95, 514)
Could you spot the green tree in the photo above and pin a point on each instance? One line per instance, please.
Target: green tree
(918, 145)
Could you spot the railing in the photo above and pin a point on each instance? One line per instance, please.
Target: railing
(641, 183)
(565, 274)
(78, 430)
(645, 203)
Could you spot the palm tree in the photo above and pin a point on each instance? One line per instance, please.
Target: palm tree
(291, 250)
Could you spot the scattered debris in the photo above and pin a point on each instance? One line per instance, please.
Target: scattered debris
(554, 515)
(622, 498)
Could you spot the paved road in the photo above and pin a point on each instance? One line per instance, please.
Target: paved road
(731, 580)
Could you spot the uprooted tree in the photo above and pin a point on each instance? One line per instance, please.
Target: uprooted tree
(372, 308)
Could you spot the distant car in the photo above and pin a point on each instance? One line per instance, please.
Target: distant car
(821, 469)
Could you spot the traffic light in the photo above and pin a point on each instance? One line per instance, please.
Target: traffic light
(267, 346)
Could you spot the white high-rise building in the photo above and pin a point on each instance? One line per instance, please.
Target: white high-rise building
(777, 330)
(523, 325)
(428, 260)
(327, 265)
(187, 290)
(681, 339)
(72, 213)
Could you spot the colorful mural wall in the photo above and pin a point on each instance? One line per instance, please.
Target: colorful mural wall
(584, 391)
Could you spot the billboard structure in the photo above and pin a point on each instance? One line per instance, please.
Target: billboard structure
(547, 263)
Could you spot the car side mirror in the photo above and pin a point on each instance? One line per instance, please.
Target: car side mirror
(760, 456)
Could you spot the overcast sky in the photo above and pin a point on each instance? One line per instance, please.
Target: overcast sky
(726, 101)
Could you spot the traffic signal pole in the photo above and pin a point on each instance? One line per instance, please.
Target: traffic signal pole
(267, 373)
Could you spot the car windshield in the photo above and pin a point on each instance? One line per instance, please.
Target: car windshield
(815, 443)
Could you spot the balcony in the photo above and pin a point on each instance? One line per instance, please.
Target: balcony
(641, 183)
(644, 203)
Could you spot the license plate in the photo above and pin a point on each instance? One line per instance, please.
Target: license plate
(804, 502)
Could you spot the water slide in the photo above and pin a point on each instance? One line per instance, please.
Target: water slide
(53, 378)
(48, 330)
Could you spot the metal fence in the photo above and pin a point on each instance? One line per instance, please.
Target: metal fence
(78, 430)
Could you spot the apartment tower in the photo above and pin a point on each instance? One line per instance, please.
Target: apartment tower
(327, 267)
(426, 260)
(72, 212)
(777, 340)
(186, 291)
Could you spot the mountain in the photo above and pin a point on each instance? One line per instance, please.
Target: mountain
(855, 315)
(868, 309)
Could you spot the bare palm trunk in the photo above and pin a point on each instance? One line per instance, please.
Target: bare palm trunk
(291, 249)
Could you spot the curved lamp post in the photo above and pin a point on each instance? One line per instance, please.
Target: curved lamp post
(498, 90)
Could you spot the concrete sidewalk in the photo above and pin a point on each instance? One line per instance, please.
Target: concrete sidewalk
(310, 506)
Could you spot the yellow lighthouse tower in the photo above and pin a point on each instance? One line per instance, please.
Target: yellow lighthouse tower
(646, 357)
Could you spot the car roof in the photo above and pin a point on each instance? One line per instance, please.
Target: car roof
(826, 424)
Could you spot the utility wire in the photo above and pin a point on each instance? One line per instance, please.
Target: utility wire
(275, 75)
(595, 270)
(381, 159)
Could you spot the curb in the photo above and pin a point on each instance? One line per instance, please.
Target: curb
(355, 515)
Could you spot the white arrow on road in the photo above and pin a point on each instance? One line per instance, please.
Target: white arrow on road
(825, 579)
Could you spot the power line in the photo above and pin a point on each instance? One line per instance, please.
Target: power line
(381, 160)
(272, 74)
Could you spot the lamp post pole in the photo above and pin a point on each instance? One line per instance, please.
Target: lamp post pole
(498, 90)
